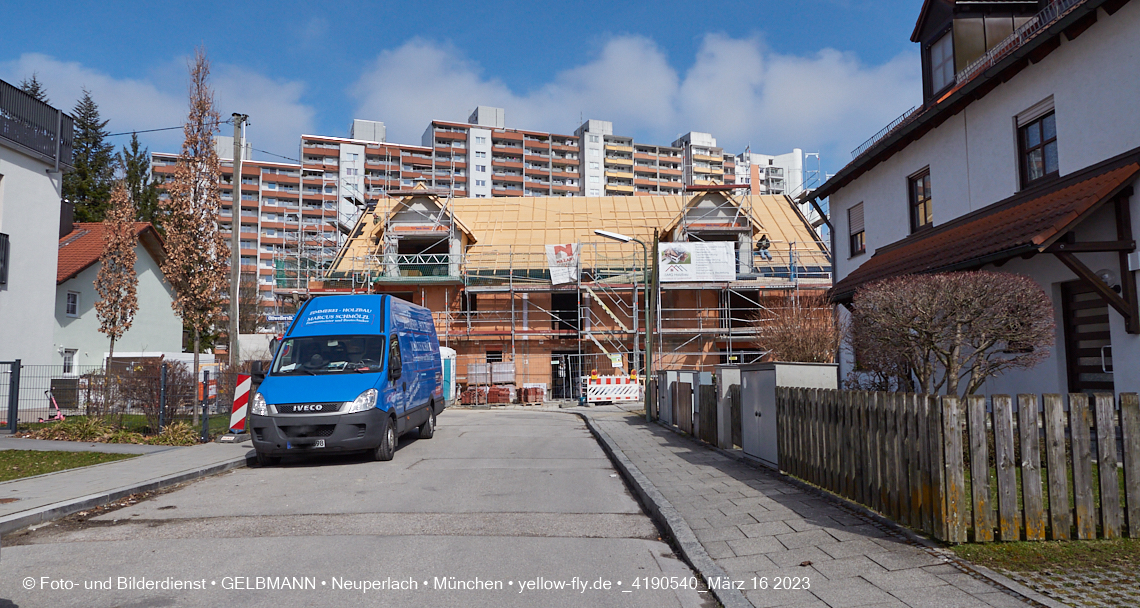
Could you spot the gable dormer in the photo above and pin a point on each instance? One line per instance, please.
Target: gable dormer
(954, 33)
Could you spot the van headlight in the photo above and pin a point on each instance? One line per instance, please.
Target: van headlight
(257, 406)
(363, 403)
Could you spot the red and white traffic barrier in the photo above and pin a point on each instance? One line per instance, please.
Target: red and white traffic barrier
(612, 389)
(241, 404)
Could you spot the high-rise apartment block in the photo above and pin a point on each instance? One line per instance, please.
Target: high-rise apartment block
(304, 210)
(766, 174)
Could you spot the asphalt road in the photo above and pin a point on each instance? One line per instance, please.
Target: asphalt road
(500, 508)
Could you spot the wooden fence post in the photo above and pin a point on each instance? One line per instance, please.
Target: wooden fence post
(1031, 467)
(938, 468)
(1130, 427)
(876, 431)
(1082, 465)
(924, 465)
(955, 484)
(1006, 464)
(981, 505)
(902, 497)
(890, 429)
(1106, 460)
(1057, 463)
(914, 475)
(861, 442)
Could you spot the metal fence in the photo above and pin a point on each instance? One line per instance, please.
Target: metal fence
(142, 396)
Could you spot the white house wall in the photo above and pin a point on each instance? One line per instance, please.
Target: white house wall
(973, 163)
(29, 215)
(155, 327)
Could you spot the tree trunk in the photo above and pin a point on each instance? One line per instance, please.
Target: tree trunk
(197, 375)
(107, 381)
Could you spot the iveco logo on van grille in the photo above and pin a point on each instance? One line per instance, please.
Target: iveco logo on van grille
(307, 408)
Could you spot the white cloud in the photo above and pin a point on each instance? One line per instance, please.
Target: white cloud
(737, 89)
(277, 115)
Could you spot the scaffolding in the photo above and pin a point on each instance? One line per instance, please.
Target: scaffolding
(494, 301)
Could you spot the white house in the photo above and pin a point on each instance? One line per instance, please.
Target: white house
(1023, 158)
(35, 147)
(78, 341)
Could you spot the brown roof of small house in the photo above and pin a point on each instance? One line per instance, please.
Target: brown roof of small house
(80, 248)
(1027, 222)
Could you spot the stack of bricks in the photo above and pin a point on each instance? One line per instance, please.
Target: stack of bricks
(532, 395)
(473, 396)
(498, 394)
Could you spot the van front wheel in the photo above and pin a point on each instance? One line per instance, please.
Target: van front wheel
(427, 429)
(387, 448)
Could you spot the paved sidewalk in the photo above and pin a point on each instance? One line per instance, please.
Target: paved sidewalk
(54, 495)
(749, 522)
(8, 442)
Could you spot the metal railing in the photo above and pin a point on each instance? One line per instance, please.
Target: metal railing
(35, 125)
(1048, 15)
(877, 137)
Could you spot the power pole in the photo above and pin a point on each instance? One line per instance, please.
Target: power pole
(235, 242)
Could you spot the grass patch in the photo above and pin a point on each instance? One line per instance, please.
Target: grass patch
(15, 464)
(1055, 556)
(99, 430)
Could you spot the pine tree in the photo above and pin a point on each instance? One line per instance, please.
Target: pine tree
(117, 282)
(32, 86)
(197, 258)
(88, 185)
(136, 173)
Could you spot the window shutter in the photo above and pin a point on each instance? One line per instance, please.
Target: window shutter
(855, 219)
(4, 253)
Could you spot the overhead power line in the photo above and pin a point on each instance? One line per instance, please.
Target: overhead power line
(277, 155)
(224, 122)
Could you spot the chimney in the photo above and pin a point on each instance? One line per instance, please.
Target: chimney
(66, 218)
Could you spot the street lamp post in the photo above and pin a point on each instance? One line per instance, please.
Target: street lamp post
(621, 238)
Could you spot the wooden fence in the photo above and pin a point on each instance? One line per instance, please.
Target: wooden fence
(947, 467)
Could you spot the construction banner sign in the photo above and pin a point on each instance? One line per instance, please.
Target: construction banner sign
(563, 261)
(697, 262)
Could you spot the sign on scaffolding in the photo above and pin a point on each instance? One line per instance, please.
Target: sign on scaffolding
(563, 262)
(697, 262)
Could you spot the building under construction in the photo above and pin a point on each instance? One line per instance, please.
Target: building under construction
(487, 268)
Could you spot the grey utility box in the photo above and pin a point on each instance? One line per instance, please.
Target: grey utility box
(758, 384)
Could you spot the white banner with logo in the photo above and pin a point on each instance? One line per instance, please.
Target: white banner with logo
(697, 262)
(563, 261)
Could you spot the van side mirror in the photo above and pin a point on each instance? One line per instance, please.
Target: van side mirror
(273, 344)
(257, 370)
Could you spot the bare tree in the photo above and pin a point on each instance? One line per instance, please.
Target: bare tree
(953, 328)
(117, 282)
(197, 255)
(803, 329)
(250, 316)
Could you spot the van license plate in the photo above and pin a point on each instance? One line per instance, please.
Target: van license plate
(320, 443)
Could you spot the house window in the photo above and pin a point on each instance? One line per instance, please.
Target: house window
(480, 140)
(480, 182)
(1038, 144)
(855, 229)
(594, 139)
(921, 207)
(72, 309)
(69, 362)
(480, 168)
(595, 192)
(942, 63)
(594, 166)
(480, 155)
(595, 152)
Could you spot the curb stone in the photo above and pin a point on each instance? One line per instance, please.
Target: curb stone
(54, 511)
(667, 516)
(1000, 582)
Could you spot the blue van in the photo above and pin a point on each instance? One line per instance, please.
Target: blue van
(353, 373)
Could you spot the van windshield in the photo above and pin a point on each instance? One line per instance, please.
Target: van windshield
(313, 355)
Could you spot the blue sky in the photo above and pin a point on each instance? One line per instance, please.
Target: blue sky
(821, 75)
